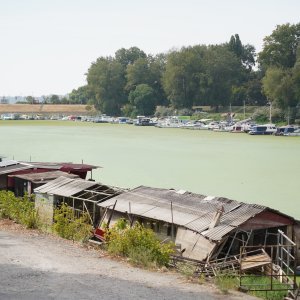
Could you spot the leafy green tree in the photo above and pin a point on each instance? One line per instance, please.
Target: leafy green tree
(222, 72)
(296, 76)
(235, 45)
(148, 71)
(106, 83)
(246, 53)
(54, 99)
(280, 47)
(30, 100)
(138, 73)
(80, 96)
(181, 79)
(278, 86)
(157, 69)
(143, 100)
(254, 94)
(239, 95)
(128, 56)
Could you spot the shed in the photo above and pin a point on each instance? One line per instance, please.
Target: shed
(78, 169)
(81, 195)
(203, 227)
(8, 167)
(26, 183)
(12, 167)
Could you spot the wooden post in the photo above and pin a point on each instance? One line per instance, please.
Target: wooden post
(113, 209)
(172, 226)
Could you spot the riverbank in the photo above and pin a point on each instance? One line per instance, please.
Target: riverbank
(36, 265)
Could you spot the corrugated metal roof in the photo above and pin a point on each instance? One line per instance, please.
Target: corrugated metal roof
(44, 176)
(240, 215)
(218, 232)
(6, 163)
(192, 211)
(10, 168)
(201, 223)
(63, 165)
(65, 187)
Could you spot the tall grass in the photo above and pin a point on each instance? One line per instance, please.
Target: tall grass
(264, 283)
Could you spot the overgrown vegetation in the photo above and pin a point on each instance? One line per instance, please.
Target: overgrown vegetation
(226, 282)
(69, 227)
(139, 244)
(264, 282)
(186, 269)
(20, 210)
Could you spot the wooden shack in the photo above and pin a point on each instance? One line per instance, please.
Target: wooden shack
(11, 167)
(82, 195)
(26, 183)
(204, 228)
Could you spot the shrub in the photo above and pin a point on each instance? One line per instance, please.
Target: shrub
(20, 210)
(69, 227)
(139, 244)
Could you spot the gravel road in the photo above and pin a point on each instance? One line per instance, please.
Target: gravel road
(40, 266)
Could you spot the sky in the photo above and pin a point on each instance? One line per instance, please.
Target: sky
(47, 46)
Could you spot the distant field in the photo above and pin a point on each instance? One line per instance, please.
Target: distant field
(44, 109)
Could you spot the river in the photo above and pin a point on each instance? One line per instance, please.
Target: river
(253, 169)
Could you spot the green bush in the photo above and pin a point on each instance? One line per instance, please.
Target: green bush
(20, 210)
(69, 227)
(139, 244)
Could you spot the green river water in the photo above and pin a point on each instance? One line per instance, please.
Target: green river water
(253, 169)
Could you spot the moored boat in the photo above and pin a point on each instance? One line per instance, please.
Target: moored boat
(266, 129)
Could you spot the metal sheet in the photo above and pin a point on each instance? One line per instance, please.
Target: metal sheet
(65, 187)
(13, 168)
(240, 215)
(194, 212)
(164, 214)
(6, 163)
(201, 223)
(38, 177)
(217, 233)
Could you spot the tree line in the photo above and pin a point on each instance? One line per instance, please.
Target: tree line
(134, 83)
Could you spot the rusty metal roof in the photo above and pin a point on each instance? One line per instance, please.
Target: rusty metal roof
(190, 210)
(44, 176)
(63, 165)
(65, 187)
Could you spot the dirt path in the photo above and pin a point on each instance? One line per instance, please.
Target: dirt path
(40, 266)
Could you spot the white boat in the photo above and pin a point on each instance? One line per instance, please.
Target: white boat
(144, 121)
(266, 129)
(296, 132)
(194, 125)
(212, 125)
(171, 122)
